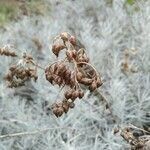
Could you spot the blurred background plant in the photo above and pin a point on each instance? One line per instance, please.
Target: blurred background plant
(8, 11)
(11, 10)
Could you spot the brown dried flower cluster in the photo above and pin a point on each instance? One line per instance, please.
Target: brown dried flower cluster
(20, 73)
(73, 72)
(137, 138)
(7, 52)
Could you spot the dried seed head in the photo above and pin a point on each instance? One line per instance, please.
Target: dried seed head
(17, 76)
(80, 71)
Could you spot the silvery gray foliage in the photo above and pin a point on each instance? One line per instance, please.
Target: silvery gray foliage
(106, 30)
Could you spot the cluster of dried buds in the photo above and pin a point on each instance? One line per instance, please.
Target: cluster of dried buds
(20, 73)
(136, 137)
(73, 72)
(7, 52)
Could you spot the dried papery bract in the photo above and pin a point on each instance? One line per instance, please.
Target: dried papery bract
(64, 75)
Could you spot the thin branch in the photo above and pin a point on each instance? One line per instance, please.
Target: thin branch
(40, 131)
(133, 126)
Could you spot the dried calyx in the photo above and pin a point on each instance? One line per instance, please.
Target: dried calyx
(73, 78)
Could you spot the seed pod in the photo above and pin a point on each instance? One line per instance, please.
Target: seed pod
(79, 76)
(86, 59)
(12, 68)
(72, 80)
(59, 81)
(68, 94)
(61, 69)
(8, 77)
(55, 78)
(69, 55)
(60, 111)
(81, 94)
(54, 110)
(66, 107)
(98, 82)
(86, 81)
(74, 53)
(75, 94)
(71, 105)
(72, 40)
(55, 67)
(64, 36)
(93, 86)
(57, 48)
(54, 105)
(67, 74)
(59, 104)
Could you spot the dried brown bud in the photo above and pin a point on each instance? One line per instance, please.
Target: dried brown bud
(75, 94)
(71, 105)
(93, 86)
(64, 36)
(61, 69)
(66, 107)
(74, 53)
(72, 79)
(68, 94)
(12, 68)
(69, 55)
(79, 76)
(86, 81)
(99, 82)
(57, 48)
(81, 94)
(72, 40)
(8, 77)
